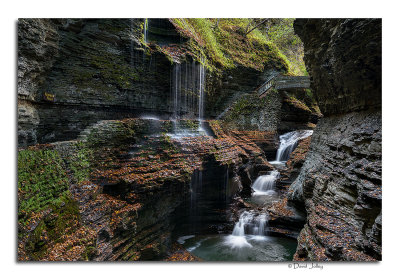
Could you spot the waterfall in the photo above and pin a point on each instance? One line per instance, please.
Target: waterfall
(145, 29)
(177, 89)
(250, 225)
(196, 185)
(265, 184)
(288, 142)
(187, 80)
(131, 45)
(201, 91)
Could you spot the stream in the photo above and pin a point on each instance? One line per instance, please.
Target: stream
(249, 240)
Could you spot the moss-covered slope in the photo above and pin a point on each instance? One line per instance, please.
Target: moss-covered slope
(224, 43)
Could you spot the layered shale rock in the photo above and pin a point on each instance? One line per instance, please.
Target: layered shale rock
(127, 185)
(341, 179)
(296, 161)
(343, 58)
(75, 72)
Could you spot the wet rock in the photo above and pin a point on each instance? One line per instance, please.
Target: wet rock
(340, 182)
(296, 161)
(343, 57)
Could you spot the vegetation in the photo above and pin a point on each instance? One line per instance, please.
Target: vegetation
(48, 216)
(42, 181)
(280, 31)
(79, 162)
(224, 43)
(248, 105)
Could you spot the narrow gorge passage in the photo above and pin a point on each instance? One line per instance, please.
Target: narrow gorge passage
(199, 139)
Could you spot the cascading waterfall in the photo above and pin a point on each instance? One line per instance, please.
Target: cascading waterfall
(265, 184)
(250, 225)
(288, 143)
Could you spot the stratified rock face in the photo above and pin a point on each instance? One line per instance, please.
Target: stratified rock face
(340, 181)
(344, 60)
(75, 72)
(130, 187)
(296, 160)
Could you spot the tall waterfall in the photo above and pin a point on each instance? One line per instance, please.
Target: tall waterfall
(201, 91)
(265, 184)
(176, 88)
(187, 96)
(249, 225)
(145, 29)
(288, 142)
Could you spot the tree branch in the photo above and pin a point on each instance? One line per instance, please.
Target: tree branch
(262, 22)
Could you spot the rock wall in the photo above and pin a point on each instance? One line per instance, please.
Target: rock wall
(340, 182)
(75, 72)
(131, 190)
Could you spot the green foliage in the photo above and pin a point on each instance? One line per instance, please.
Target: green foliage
(247, 105)
(224, 43)
(48, 215)
(42, 181)
(281, 33)
(112, 133)
(64, 216)
(79, 162)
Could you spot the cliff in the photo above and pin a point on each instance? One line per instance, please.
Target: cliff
(340, 182)
(75, 72)
(123, 188)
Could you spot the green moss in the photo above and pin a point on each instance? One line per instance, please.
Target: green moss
(281, 33)
(79, 162)
(63, 217)
(297, 103)
(112, 133)
(47, 211)
(100, 65)
(42, 181)
(247, 105)
(226, 44)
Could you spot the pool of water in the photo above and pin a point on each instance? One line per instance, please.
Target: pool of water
(239, 248)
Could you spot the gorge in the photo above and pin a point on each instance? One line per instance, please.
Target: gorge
(148, 139)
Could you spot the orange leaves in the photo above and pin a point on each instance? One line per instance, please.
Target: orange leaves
(280, 208)
(180, 254)
(73, 245)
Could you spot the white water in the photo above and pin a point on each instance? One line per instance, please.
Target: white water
(265, 184)
(201, 92)
(145, 29)
(182, 239)
(187, 80)
(288, 143)
(149, 117)
(250, 226)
